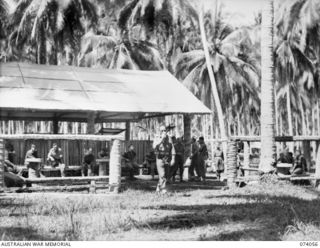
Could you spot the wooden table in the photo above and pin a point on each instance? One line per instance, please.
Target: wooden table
(34, 165)
(103, 166)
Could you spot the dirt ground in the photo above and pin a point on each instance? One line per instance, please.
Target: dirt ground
(191, 211)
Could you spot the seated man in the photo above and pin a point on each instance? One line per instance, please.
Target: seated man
(55, 156)
(32, 153)
(286, 156)
(130, 161)
(103, 153)
(12, 174)
(88, 167)
(300, 164)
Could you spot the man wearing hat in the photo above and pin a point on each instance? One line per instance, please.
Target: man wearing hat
(165, 157)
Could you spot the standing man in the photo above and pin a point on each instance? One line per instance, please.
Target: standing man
(130, 161)
(194, 158)
(219, 162)
(179, 158)
(203, 156)
(165, 157)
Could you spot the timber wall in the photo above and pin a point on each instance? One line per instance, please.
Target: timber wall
(73, 150)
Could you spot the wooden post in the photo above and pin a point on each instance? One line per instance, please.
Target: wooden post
(55, 126)
(2, 185)
(90, 123)
(92, 188)
(317, 173)
(187, 143)
(246, 156)
(115, 167)
(231, 162)
(128, 131)
(306, 153)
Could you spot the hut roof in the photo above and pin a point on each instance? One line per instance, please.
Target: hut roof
(43, 92)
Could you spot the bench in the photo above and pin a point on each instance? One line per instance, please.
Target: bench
(91, 180)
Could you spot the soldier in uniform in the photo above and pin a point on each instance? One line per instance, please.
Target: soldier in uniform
(203, 156)
(151, 162)
(130, 161)
(219, 162)
(165, 157)
(12, 174)
(88, 166)
(179, 158)
(300, 164)
(194, 158)
(55, 156)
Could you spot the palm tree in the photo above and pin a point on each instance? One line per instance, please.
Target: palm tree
(233, 73)
(52, 22)
(268, 147)
(3, 17)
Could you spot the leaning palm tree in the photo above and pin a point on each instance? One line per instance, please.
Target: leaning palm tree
(233, 74)
(268, 147)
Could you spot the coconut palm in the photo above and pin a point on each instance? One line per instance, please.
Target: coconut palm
(108, 52)
(3, 17)
(51, 22)
(268, 147)
(233, 75)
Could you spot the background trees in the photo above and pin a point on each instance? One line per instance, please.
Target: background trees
(190, 42)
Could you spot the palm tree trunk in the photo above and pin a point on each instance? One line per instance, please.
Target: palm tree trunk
(276, 111)
(318, 115)
(289, 113)
(268, 147)
(211, 76)
(42, 48)
(187, 134)
(303, 120)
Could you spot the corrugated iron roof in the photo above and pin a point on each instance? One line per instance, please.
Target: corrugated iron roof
(69, 93)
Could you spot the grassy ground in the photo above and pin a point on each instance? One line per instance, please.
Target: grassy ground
(193, 211)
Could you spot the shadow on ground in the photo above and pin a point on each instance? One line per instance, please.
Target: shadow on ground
(151, 185)
(259, 218)
(19, 233)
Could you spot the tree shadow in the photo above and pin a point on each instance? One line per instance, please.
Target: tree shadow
(20, 233)
(267, 218)
(151, 185)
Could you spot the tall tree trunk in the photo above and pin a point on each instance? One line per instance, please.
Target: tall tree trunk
(216, 97)
(42, 47)
(276, 111)
(318, 115)
(303, 120)
(268, 147)
(289, 113)
(187, 134)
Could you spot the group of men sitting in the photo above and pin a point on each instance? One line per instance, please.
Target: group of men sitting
(13, 173)
(298, 161)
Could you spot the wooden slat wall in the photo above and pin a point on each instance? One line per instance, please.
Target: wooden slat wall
(1, 165)
(73, 150)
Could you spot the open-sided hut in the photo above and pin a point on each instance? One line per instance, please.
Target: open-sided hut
(65, 93)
